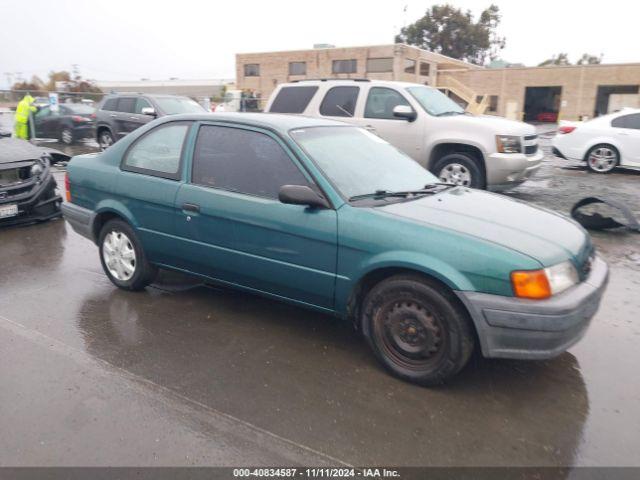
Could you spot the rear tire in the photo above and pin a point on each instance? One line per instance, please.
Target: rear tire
(122, 257)
(66, 136)
(105, 139)
(416, 329)
(459, 168)
(602, 158)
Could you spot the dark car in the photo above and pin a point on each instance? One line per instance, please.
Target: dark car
(120, 114)
(27, 187)
(69, 123)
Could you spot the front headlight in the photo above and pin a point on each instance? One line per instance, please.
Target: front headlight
(561, 276)
(36, 169)
(508, 144)
(540, 284)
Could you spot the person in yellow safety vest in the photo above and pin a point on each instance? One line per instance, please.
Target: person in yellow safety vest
(25, 107)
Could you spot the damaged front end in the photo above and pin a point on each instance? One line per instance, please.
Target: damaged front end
(27, 187)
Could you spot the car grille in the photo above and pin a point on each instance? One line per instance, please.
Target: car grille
(530, 144)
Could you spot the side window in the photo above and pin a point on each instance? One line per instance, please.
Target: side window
(126, 105)
(43, 112)
(627, 121)
(158, 152)
(381, 102)
(242, 161)
(111, 104)
(293, 99)
(340, 102)
(142, 103)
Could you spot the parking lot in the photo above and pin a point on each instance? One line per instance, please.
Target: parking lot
(188, 374)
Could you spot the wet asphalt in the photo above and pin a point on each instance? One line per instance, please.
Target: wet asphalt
(186, 374)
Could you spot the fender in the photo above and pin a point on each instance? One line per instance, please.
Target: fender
(115, 207)
(346, 286)
(431, 144)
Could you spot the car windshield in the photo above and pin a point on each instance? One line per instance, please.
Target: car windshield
(358, 162)
(175, 105)
(435, 102)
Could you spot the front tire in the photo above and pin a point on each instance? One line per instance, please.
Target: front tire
(122, 257)
(416, 329)
(602, 158)
(459, 168)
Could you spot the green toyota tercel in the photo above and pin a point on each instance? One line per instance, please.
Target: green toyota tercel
(329, 216)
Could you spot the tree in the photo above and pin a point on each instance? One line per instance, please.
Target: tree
(559, 59)
(449, 31)
(588, 59)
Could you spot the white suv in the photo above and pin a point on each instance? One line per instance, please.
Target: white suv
(477, 151)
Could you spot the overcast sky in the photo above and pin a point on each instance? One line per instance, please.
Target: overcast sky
(132, 39)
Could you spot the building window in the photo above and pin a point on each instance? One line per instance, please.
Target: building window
(424, 69)
(409, 66)
(297, 68)
(252, 70)
(345, 66)
(379, 65)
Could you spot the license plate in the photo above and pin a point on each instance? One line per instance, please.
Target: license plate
(8, 211)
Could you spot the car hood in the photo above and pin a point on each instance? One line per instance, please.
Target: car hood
(13, 150)
(540, 234)
(496, 125)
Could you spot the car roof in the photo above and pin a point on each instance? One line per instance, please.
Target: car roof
(275, 121)
(143, 94)
(352, 81)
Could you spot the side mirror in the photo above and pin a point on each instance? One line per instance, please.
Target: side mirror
(405, 111)
(149, 111)
(301, 195)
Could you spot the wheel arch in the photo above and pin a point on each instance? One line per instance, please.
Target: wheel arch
(602, 141)
(443, 148)
(108, 212)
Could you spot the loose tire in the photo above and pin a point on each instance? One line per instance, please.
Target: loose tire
(105, 139)
(416, 329)
(66, 136)
(122, 257)
(602, 158)
(459, 168)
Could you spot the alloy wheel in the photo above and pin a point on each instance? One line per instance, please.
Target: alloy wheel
(67, 136)
(119, 255)
(602, 159)
(456, 174)
(106, 140)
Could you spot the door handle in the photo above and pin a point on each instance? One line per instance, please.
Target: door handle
(113, 115)
(370, 128)
(191, 207)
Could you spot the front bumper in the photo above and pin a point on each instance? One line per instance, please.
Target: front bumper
(508, 170)
(37, 204)
(510, 327)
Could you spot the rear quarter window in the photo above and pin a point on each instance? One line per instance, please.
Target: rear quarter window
(293, 99)
(340, 102)
(110, 104)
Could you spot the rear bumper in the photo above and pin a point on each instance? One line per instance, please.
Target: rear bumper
(506, 171)
(509, 327)
(81, 219)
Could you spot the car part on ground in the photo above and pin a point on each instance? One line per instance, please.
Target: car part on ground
(27, 187)
(596, 221)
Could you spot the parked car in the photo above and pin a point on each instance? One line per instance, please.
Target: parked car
(69, 123)
(328, 216)
(603, 142)
(547, 117)
(120, 114)
(27, 187)
(459, 148)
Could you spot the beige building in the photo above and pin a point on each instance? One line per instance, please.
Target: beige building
(529, 93)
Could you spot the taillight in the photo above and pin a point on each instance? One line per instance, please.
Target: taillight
(79, 119)
(566, 129)
(67, 187)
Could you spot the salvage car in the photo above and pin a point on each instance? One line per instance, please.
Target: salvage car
(27, 187)
(328, 216)
(480, 151)
(604, 143)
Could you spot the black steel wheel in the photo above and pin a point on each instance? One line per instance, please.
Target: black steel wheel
(417, 329)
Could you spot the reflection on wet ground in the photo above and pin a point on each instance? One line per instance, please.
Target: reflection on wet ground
(184, 373)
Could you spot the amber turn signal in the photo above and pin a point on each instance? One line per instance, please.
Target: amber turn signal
(530, 284)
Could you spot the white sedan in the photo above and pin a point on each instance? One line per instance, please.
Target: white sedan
(604, 142)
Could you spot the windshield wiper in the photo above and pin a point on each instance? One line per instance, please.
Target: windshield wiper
(428, 189)
(449, 112)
